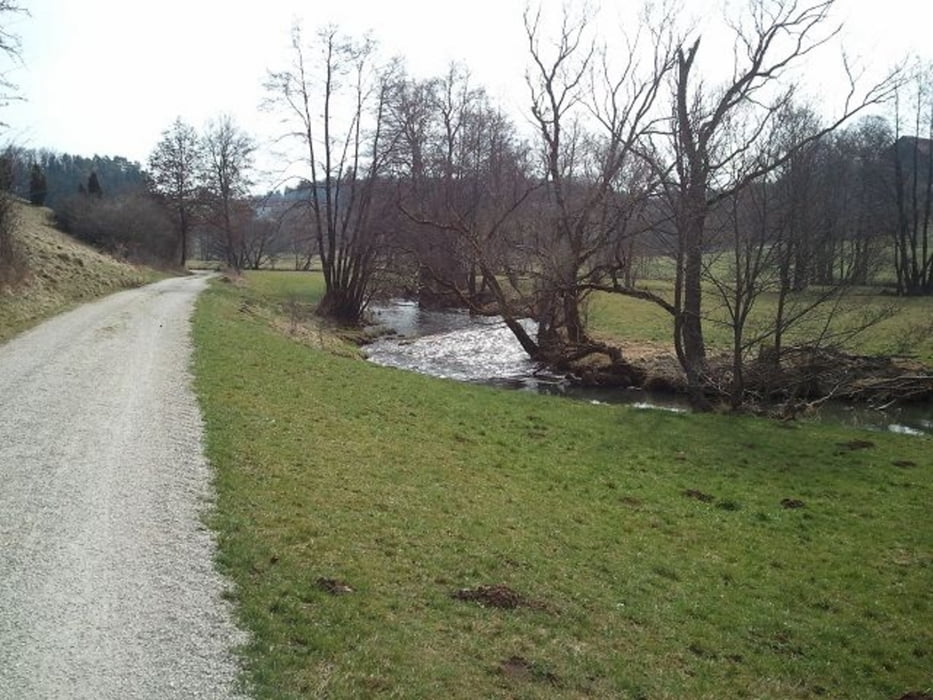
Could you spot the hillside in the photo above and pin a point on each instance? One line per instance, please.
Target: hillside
(59, 273)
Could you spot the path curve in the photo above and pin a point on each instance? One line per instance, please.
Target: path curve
(107, 583)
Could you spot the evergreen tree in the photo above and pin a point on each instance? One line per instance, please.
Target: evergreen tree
(7, 170)
(93, 185)
(38, 187)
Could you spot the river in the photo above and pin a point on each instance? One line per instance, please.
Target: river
(453, 344)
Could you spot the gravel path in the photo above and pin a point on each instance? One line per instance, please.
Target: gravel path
(107, 588)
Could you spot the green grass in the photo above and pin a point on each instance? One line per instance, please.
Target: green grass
(907, 329)
(408, 488)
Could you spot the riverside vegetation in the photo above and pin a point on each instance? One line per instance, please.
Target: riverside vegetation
(390, 534)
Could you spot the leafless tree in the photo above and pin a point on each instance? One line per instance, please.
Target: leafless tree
(335, 104)
(592, 115)
(228, 159)
(711, 142)
(463, 192)
(762, 239)
(176, 168)
(912, 156)
(10, 47)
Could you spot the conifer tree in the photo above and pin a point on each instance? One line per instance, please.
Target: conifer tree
(38, 187)
(93, 186)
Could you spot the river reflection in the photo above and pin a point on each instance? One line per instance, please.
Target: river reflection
(453, 344)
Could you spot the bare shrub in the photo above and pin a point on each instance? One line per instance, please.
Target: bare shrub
(12, 263)
(130, 226)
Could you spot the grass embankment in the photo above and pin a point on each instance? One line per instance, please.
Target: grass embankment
(59, 272)
(653, 550)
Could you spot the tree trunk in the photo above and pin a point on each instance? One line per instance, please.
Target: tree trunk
(692, 344)
(341, 305)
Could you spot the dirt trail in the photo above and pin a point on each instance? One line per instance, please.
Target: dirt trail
(107, 586)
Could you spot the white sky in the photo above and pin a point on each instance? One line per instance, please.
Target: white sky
(107, 76)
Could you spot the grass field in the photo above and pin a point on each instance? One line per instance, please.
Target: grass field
(905, 329)
(60, 273)
(649, 554)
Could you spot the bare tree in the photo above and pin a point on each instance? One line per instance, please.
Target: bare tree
(711, 143)
(456, 161)
(912, 156)
(594, 182)
(10, 47)
(228, 158)
(176, 167)
(335, 105)
(465, 199)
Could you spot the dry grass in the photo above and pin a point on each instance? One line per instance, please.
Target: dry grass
(60, 272)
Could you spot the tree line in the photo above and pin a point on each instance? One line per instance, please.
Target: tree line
(427, 187)
(744, 187)
(192, 182)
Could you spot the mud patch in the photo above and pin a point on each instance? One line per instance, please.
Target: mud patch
(699, 495)
(792, 503)
(520, 668)
(904, 463)
(496, 596)
(916, 695)
(853, 445)
(333, 586)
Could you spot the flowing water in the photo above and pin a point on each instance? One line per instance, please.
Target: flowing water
(456, 345)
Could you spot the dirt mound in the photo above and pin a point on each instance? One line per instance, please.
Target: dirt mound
(520, 668)
(699, 495)
(333, 586)
(496, 596)
(853, 445)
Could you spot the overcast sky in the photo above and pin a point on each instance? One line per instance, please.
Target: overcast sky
(107, 76)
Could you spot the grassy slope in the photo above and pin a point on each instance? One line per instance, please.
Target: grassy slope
(61, 273)
(408, 488)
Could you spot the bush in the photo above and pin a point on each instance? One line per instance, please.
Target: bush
(12, 266)
(130, 226)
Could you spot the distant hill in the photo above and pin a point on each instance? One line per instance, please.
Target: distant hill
(59, 273)
(67, 174)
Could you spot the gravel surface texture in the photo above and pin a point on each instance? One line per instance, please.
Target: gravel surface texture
(107, 584)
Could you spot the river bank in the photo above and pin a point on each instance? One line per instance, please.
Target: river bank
(454, 344)
(392, 534)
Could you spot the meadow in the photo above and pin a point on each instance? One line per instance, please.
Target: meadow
(394, 535)
(898, 326)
